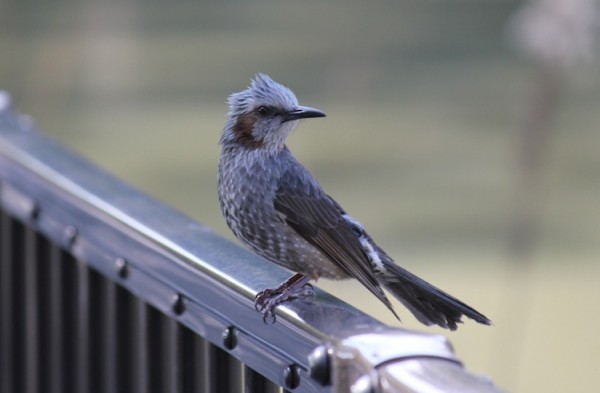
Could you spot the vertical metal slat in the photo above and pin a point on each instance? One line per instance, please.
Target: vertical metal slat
(224, 371)
(256, 383)
(17, 245)
(83, 310)
(170, 356)
(44, 312)
(69, 323)
(93, 332)
(192, 361)
(31, 370)
(141, 383)
(82, 325)
(126, 306)
(109, 336)
(163, 349)
(6, 304)
(156, 369)
(55, 327)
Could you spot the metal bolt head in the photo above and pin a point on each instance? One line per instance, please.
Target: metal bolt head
(319, 365)
(70, 235)
(230, 338)
(121, 267)
(34, 214)
(178, 304)
(291, 376)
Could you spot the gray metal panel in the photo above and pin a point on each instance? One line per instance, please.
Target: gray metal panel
(194, 277)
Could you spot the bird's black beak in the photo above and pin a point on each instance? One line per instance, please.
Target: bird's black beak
(302, 112)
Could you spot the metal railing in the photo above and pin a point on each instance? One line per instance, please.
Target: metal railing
(103, 289)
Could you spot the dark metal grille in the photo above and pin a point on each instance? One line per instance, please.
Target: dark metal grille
(66, 328)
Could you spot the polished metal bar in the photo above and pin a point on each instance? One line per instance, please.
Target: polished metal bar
(430, 375)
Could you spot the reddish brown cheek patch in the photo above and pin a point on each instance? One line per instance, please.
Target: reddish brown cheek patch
(243, 131)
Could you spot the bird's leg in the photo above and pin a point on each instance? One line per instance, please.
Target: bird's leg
(296, 286)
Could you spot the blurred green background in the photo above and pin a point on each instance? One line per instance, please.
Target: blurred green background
(425, 103)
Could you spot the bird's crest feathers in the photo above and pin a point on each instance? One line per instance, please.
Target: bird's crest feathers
(241, 127)
(262, 91)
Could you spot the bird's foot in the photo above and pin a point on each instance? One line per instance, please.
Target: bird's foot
(296, 287)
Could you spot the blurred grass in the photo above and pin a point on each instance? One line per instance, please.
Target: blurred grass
(424, 103)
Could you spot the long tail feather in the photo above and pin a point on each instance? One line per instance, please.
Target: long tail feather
(429, 304)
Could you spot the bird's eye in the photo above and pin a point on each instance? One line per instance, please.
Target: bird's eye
(263, 111)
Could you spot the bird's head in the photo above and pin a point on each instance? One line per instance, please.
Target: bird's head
(263, 115)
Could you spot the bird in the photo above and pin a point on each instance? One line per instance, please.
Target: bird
(275, 206)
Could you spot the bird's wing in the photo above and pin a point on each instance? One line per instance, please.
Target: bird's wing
(316, 217)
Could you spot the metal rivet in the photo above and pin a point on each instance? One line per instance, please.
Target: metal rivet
(70, 235)
(121, 267)
(291, 376)
(35, 213)
(230, 338)
(178, 305)
(319, 365)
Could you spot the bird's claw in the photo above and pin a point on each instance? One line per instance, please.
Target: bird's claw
(269, 317)
(307, 293)
(262, 298)
(267, 300)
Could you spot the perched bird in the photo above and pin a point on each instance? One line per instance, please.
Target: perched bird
(274, 205)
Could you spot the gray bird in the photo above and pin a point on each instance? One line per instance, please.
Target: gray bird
(274, 205)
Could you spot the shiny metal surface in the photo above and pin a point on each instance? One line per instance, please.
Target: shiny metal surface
(384, 347)
(200, 280)
(430, 375)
